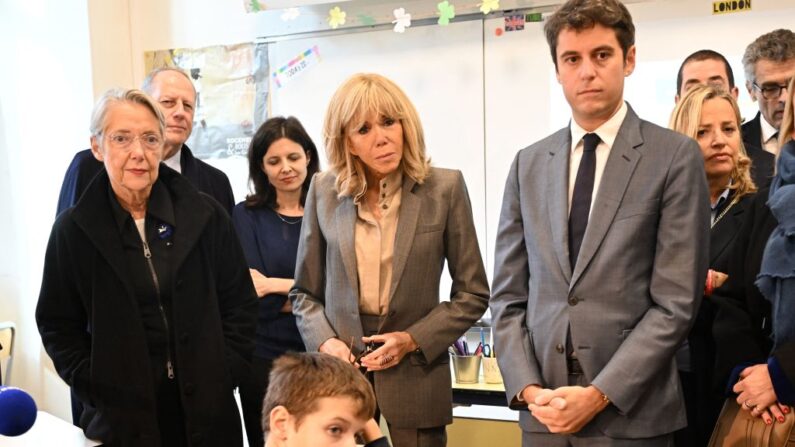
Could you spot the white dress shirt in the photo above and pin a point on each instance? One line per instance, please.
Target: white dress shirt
(174, 161)
(769, 136)
(607, 134)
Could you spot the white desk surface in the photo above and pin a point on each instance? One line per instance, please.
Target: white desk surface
(49, 431)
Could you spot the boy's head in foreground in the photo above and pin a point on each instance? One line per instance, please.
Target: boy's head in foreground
(315, 399)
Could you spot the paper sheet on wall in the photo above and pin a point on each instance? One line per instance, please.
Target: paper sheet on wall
(232, 94)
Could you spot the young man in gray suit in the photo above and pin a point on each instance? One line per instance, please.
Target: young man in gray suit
(601, 253)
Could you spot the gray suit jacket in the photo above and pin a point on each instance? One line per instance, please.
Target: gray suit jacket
(434, 223)
(638, 280)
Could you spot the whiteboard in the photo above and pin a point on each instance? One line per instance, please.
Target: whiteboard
(483, 96)
(441, 71)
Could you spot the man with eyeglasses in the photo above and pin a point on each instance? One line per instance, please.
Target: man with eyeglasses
(708, 67)
(174, 91)
(769, 63)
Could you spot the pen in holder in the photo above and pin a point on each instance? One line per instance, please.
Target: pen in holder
(466, 368)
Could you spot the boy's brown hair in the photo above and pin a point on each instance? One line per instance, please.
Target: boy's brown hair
(583, 14)
(298, 381)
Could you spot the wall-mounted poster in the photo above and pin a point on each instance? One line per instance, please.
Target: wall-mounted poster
(232, 94)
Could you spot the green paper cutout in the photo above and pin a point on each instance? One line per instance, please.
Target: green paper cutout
(366, 20)
(446, 12)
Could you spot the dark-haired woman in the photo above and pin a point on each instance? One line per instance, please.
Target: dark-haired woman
(282, 160)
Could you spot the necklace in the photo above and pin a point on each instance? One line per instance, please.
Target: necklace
(297, 220)
(725, 210)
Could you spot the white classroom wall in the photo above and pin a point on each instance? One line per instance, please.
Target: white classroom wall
(77, 49)
(45, 101)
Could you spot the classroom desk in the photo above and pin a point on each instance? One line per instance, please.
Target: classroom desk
(480, 393)
(483, 401)
(49, 430)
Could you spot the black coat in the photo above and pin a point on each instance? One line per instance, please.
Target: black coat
(702, 400)
(762, 162)
(91, 328)
(84, 167)
(743, 322)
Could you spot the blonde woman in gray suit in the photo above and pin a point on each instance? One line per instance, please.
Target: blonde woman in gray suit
(378, 227)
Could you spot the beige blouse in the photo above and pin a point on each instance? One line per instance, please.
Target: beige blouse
(375, 245)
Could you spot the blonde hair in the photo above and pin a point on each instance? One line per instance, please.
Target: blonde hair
(686, 119)
(357, 98)
(788, 121)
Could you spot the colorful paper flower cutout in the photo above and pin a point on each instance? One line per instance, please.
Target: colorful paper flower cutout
(366, 20)
(446, 12)
(402, 20)
(489, 5)
(290, 14)
(336, 17)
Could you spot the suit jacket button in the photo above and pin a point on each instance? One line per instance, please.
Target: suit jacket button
(183, 338)
(189, 389)
(197, 438)
(559, 348)
(573, 301)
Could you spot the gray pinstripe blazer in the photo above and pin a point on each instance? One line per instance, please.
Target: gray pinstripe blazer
(434, 224)
(636, 286)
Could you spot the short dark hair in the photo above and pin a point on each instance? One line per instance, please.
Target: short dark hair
(704, 55)
(582, 14)
(298, 381)
(272, 130)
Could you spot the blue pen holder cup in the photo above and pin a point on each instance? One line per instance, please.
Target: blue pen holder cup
(466, 368)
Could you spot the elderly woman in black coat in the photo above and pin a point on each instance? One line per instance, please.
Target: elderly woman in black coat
(146, 306)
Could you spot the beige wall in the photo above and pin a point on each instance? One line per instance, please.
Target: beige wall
(111, 44)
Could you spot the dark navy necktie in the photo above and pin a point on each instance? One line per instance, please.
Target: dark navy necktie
(581, 197)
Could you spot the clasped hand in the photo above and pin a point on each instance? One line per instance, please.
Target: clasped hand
(566, 409)
(755, 393)
(395, 346)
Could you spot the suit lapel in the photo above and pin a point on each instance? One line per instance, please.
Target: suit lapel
(408, 216)
(558, 199)
(724, 231)
(618, 171)
(346, 225)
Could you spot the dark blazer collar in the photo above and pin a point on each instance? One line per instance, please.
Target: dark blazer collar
(725, 230)
(159, 207)
(187, 163)
(93, 214)
(752, 131)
